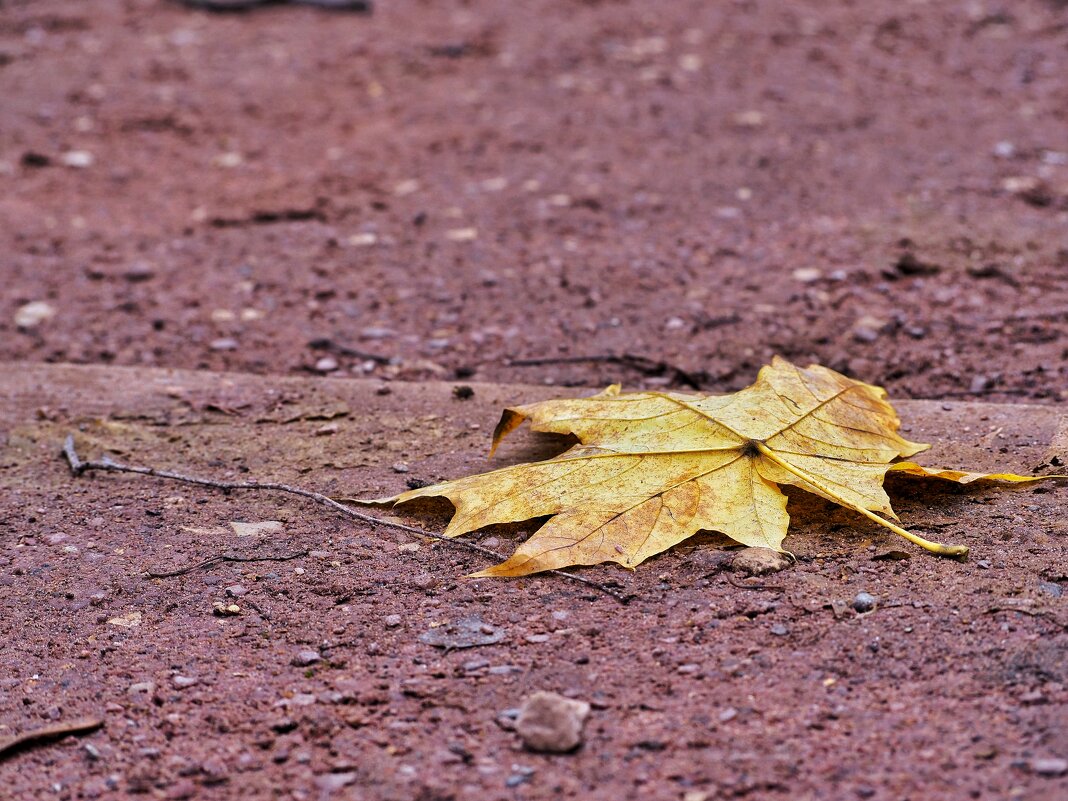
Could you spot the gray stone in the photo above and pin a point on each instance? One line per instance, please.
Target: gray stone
(864, 602)
(550, 722)
(305, 658)
(759, 561)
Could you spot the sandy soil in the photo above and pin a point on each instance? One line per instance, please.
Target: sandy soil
(440, 191)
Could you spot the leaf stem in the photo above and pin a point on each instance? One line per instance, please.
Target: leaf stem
(957, 551)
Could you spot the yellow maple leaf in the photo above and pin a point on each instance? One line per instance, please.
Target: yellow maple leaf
(653, 468)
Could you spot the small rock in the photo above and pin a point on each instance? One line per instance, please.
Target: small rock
(807, 275)
(864, 333)
(462, 234)
(400, 467)
(243, 529)
(1049, 766)
(467, 632)
(181, 790)
(1004, 150)
(864, 602)
(220, 609)
(332, 782)
(327, 364)
(31, 315)
(305, 658)
(426, 581)
(128, 621)
(779, 630)
(750, 118)
(392, 621)
(141, 687)
(363, 239)
(1051, 588)
(759, 561)
(225, 343)
(139, 271)
(551, 723)
(979, 384)
(181, 682)
(79, 159)
(235, 591)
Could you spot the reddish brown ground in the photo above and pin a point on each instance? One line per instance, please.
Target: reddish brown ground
(449, 186)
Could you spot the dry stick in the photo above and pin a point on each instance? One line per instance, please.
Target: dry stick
(641, 363)
(78, 467)
(9, 745)
(226, 557)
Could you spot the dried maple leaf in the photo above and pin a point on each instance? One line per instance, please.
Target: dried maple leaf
(653, 468)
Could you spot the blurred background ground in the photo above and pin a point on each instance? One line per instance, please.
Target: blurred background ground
(437, 190)
(447, 186)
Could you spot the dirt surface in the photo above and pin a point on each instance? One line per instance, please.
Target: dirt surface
(706, 685)
(512, 192)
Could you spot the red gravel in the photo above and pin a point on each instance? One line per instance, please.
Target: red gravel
(434, 190)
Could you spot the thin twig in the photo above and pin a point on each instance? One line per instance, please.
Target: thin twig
(9, 745)
(78, 467)
(642, 364)
(743, 586)
(226, 557)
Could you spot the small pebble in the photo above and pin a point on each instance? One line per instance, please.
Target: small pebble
(1004, 150)
(807, 275)
(426, 581)
(863, 333)
(983, 564)
(32, 314)
(225, 343)
(864, 602)
(759, 561)
(235, 591)
(400, 467)
(139, 271)
(779, 630)
(305, 658)
(79, 159)
(392, 621)
(1051, 588)
(551, 723)
(1049, 766)
(327, 364)
(331, 782)
(181, 682)
(462, 234)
